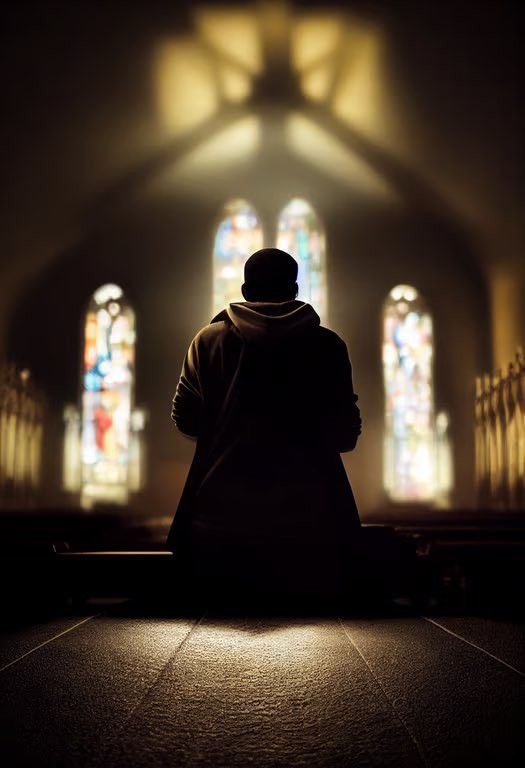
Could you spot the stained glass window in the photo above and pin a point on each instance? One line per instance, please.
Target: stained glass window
(299, 232)
(409, 448)
(238, 235)
(107, 394)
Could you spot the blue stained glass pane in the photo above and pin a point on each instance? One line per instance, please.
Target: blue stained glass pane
(239, 234)
(109, 366)
(299, 232)
(409, 460)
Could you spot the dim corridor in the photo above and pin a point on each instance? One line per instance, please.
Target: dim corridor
(119, 687)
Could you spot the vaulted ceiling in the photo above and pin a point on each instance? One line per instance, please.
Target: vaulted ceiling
(417, 100)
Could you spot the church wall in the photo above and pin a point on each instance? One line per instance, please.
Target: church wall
(85, 207)
(507, 289)
(159, 251)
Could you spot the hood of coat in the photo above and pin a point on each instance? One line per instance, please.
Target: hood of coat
(265, 321)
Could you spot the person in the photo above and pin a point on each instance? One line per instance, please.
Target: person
(267, 393)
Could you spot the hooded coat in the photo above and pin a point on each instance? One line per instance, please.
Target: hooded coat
(267, 392)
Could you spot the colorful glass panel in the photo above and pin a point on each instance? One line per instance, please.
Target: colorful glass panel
(300, 233)
(108, 376)
(238, 235)
(409, 460)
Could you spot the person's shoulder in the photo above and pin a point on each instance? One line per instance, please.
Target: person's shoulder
(330, 338)
(212, 333)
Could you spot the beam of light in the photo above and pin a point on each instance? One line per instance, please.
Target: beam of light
(316, 83)
(230, 146)
(187, 92)
(360, 96)
(329, 155)
(236, 85)
(339, 61)
(314, 38)
(233, 33)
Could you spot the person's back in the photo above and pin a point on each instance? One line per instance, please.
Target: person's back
(268, 394)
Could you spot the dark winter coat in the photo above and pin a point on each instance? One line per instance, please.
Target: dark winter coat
(268, 394)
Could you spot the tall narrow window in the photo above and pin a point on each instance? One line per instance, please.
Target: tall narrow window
(238, 235)
(409, 447)
(107, 396)
(300, 233)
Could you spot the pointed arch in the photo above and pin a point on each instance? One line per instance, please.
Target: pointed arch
(108, 374)
(409, 470)
(300, 233)
(239, 233)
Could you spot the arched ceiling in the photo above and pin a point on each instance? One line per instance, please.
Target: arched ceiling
(410, 102)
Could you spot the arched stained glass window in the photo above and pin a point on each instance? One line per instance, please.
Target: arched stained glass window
(107, 396)
(409, 448)
(238, 235)
(300, 233)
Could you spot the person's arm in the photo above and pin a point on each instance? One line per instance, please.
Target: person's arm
(187, 405)
(343, 418)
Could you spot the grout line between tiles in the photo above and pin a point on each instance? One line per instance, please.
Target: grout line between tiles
(50, 640)
(419, 747)
(474, 645)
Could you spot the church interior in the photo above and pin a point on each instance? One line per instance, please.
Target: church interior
(148, 149)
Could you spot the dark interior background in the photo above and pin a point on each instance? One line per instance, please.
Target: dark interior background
(99, 187)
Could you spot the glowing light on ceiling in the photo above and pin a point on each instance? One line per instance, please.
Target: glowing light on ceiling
(316, 83)
(186, 85)
(331, 156)
(232, 34)
(339, 61)
(314, 38)
(235, 84)
(361, 97)
(231, 145)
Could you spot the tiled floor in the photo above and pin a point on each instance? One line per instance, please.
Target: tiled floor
(120, 689)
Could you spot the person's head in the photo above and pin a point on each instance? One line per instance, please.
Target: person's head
(270, 275)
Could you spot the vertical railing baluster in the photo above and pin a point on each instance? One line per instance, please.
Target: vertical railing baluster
(499, 437)
(21, 436)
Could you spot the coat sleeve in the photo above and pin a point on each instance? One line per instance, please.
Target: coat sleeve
(187, 406)
(342, 418)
